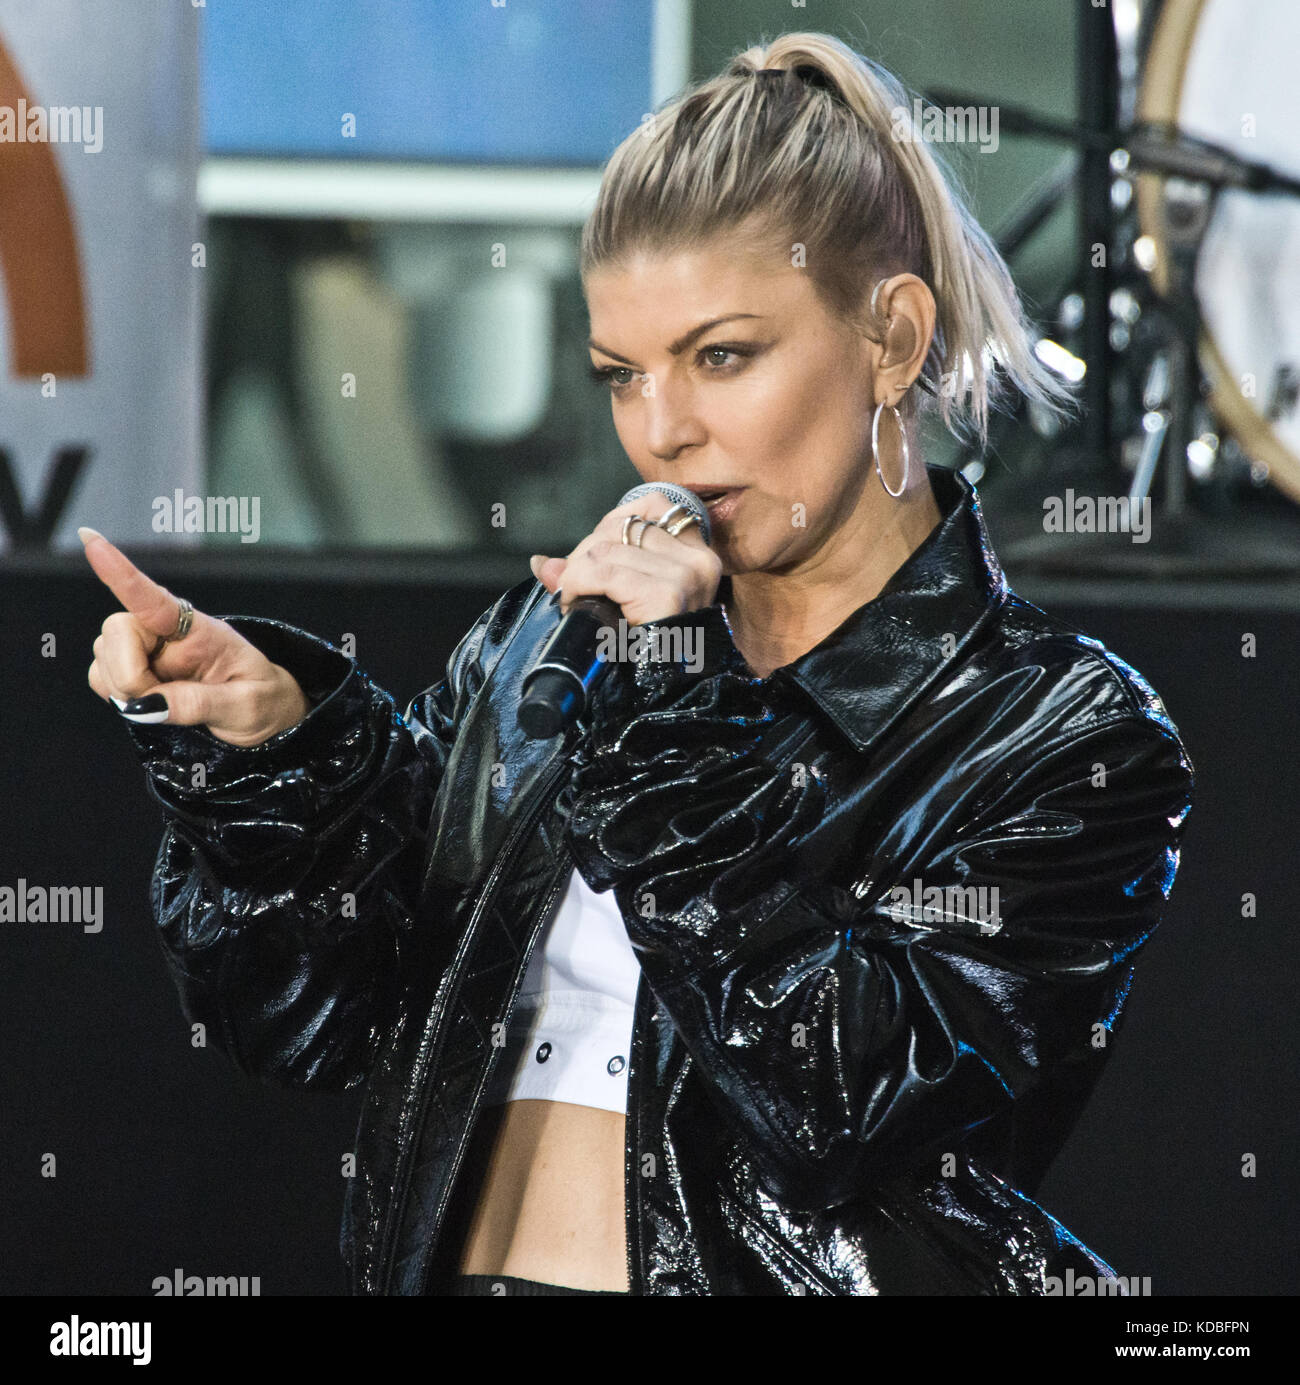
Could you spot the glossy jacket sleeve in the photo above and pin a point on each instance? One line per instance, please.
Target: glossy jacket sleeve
(845, 1038)
(285, 884)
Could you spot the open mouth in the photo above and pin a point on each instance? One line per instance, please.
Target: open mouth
(719, 502)
(710, 495)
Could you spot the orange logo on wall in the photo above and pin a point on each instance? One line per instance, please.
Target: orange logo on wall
(39, 260)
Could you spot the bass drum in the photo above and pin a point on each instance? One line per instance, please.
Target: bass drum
(1227, 72)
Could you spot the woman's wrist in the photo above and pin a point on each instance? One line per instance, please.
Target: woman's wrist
(297, 705)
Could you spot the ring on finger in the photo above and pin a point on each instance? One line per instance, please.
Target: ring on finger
(626, 523)
(678, 525)
(640, 533)
(182, 626)
(184, 622)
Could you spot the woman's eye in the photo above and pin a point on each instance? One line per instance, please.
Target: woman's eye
(708, 356)
(604, 375)
(739, 350)
(721, 350)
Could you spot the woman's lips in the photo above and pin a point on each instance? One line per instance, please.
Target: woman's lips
(722, 509)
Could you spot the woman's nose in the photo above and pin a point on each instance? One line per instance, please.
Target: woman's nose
(671, 420)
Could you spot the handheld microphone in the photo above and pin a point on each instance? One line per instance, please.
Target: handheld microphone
(556, 688)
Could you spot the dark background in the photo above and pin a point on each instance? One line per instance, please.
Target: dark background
(168, 1158)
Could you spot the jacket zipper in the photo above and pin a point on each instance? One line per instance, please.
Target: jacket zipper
(413, 1124)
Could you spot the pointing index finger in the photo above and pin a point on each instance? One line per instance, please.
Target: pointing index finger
(151, 604)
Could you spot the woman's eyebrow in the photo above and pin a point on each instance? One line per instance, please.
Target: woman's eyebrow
(681, 343)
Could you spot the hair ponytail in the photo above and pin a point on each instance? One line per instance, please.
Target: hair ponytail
(823, 153)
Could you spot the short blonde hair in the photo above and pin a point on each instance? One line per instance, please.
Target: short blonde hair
(812, 155)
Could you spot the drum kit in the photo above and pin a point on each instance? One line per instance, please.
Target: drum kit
(1185, 305)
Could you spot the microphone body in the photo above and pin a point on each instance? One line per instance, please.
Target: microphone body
(557, 687)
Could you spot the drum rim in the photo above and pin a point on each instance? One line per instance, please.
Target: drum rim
(1160, 97)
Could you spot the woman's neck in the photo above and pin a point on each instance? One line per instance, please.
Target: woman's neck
(775, 618)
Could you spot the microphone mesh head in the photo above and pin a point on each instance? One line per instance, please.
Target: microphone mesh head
(677, 495)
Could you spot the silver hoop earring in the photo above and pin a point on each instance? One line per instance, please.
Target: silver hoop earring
(875, 449)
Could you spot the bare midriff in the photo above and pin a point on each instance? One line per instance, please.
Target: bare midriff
(551, 1204)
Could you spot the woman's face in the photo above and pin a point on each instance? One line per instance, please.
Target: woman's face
(777, 400)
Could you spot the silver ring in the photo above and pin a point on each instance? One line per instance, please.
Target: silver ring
(645, 524)
(183, 625)
(663, 519)
(687, 517)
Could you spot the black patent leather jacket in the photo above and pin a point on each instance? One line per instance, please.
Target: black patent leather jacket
(832, 1089)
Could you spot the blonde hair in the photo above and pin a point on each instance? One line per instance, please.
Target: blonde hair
(823, 153)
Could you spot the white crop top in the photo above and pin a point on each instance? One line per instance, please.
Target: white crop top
(570, 1034)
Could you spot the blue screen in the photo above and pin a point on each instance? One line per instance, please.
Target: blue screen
(530, 81)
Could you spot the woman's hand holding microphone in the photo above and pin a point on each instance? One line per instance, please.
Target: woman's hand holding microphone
(646, 571)
(211, 676)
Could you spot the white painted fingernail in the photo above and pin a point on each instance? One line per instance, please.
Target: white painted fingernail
(116, 701)
(85, 533)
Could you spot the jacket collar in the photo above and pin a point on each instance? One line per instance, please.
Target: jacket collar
(878, 661)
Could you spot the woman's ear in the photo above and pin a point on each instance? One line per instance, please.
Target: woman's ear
(908, 304)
